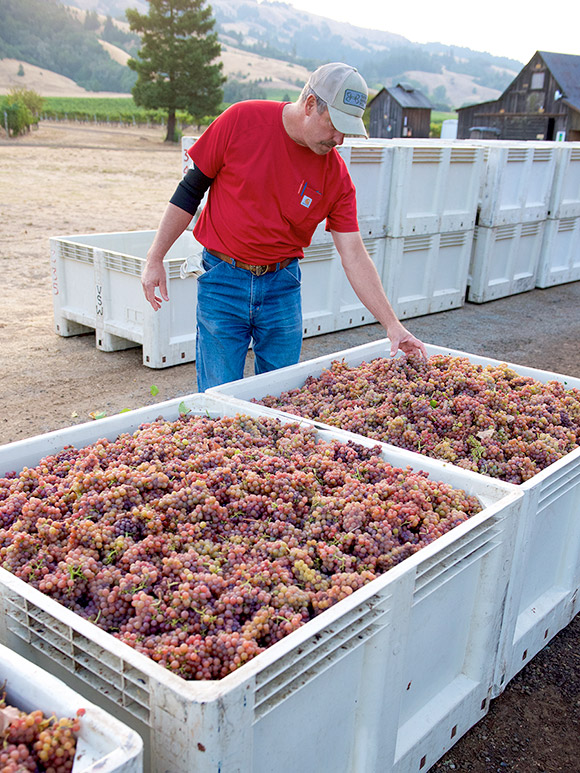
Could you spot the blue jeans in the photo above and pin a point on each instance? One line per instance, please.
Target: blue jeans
(234, 308)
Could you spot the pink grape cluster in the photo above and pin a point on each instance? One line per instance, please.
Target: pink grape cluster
(33, 743)
(484, 418)
(200, 542)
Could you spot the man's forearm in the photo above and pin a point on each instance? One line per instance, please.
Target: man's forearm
(172, 225)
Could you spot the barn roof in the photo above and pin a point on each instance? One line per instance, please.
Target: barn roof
(407, 96)
(566, 71)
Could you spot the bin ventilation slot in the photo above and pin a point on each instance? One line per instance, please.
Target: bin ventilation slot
(108, 674)
(563, 484)
(530, 229)
(455, 559)
(542, 154)
(427, 155)
(366, 155)
(456, 239)
(372, 247)
(320, 252)
(463, 155)
(505, 232)
(413, 243)
(304, 663)
(567, 224)
(173, 268)
(575, 154)
(126, 264)
(517, 154)
(78, 252)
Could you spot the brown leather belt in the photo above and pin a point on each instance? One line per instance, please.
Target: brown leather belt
(256, 270)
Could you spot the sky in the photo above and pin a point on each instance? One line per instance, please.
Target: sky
(500, 27)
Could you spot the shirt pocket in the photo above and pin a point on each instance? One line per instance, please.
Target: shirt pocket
(306, 207)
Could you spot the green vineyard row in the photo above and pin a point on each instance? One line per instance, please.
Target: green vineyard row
(121, 110)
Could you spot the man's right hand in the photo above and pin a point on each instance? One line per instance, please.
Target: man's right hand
(153, 277)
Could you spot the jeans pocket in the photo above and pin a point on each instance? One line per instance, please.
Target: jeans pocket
(210, 263)
(293, 274)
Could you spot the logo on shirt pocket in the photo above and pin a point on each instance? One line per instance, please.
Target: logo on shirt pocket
(308, 195)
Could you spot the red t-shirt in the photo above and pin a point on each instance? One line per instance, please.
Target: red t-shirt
(268, 193)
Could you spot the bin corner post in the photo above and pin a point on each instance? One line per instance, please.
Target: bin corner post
(379, 714)
(61, 325)
(204, 731)
(157, 347)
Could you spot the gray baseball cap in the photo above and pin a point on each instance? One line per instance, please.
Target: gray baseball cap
(344, 89)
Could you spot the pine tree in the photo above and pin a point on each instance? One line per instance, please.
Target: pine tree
(176, 64)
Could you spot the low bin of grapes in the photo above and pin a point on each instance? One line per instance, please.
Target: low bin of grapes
(46, 721)
(251, 593)
(495, 419)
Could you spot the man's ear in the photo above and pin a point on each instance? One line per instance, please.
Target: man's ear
(310, 105)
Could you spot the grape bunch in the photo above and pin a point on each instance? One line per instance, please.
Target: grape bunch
(33, 743)
(200, 542)
(488, 419)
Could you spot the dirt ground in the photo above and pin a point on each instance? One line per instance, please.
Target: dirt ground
(75, 179)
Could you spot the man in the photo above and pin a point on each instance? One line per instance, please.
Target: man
(273, 175)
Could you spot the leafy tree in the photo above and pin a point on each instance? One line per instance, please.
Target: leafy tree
(16, 116)
(174, 64)
(31, 99)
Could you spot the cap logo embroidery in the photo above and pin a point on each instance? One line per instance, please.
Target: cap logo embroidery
(355, 98)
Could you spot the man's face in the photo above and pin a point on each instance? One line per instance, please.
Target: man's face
(320, 134)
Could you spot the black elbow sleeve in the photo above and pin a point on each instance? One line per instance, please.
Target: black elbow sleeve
(191, 190)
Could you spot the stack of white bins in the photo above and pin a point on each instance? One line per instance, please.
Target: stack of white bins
(431, 215)
(560, 254)
(514, 204)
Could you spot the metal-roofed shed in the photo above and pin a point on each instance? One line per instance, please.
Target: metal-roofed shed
(400, 111)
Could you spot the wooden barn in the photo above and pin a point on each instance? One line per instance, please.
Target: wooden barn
(399, 111)
(541, 103)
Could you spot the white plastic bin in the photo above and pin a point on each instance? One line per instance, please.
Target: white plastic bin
(504, 260)
(104, 744)
(517, 182)
(424, 274)
(352, 687)
(559, 260)
(96, 281)
(565, 194)
(545, 575)
(434, 187)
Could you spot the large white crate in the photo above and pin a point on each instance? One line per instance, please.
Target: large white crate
(516, 183)
(434, 187)
(504, 260)
(426, 273)
(352, 687)
(96, 282)
(104, 744)
(559, 260)
(545, 575)
(565, 194)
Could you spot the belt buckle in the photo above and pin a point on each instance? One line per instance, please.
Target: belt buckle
(258, 270)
